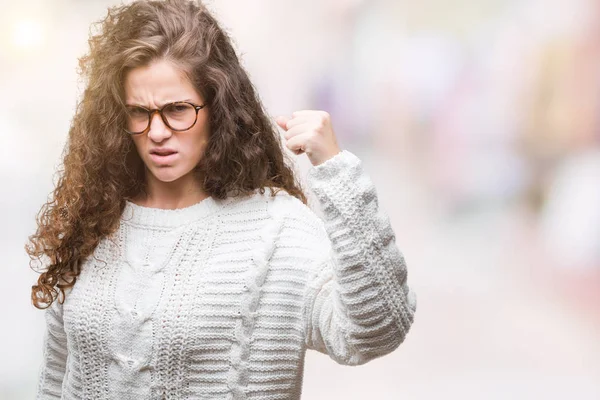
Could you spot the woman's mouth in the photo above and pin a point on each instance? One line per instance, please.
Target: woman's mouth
(163, 157)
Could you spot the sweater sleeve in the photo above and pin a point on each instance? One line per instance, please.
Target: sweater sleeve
(358, 305)
(54, 356)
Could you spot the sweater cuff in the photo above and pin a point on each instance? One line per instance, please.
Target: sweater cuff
(331, 168)
(338, 180)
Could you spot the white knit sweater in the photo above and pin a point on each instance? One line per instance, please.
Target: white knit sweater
(220, 300)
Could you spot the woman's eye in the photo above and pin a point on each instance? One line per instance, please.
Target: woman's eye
(178, 108)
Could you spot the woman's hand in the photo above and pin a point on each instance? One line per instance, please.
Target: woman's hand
(310, 132)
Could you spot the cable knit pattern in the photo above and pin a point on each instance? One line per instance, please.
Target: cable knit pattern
(220, 300)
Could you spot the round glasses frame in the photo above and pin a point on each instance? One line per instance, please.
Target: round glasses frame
(151, 113)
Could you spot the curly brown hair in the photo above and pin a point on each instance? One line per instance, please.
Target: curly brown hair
(101, 168)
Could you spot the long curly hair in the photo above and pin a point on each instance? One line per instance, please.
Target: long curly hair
(101, 168)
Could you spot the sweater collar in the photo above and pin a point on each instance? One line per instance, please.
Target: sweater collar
(170, 218)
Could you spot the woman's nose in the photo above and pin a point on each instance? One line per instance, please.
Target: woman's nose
(159, 131)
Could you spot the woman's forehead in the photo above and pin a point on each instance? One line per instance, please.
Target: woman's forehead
(160, 80)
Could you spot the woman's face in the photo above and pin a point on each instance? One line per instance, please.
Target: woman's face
(152, 87)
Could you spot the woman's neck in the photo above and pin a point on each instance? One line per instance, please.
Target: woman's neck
(183, 192)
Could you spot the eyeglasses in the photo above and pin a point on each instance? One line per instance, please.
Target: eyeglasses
(178, 116)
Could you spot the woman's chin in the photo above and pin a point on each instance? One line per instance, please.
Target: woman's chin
(166, 174)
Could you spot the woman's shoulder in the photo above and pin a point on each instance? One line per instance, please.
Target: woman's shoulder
(282, 208)
(296, 216)
(275, 202)
(268, 198)
(280, 203)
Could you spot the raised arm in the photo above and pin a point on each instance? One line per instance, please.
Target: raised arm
(54, 361)
(358, 305)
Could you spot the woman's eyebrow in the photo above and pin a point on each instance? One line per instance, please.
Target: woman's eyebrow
(162, 104)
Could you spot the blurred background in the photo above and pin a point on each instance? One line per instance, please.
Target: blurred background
(478, 121)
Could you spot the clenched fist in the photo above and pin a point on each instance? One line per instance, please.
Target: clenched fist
(310, 132)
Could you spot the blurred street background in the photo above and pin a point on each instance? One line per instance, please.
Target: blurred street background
(478, 121)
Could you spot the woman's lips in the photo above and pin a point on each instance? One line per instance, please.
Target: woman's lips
(163, 159)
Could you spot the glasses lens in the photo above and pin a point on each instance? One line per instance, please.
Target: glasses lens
(137, 119)
(181, 116)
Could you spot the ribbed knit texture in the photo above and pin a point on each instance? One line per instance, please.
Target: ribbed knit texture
(220, 300)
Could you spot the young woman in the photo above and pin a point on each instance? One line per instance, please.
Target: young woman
(181, 260)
